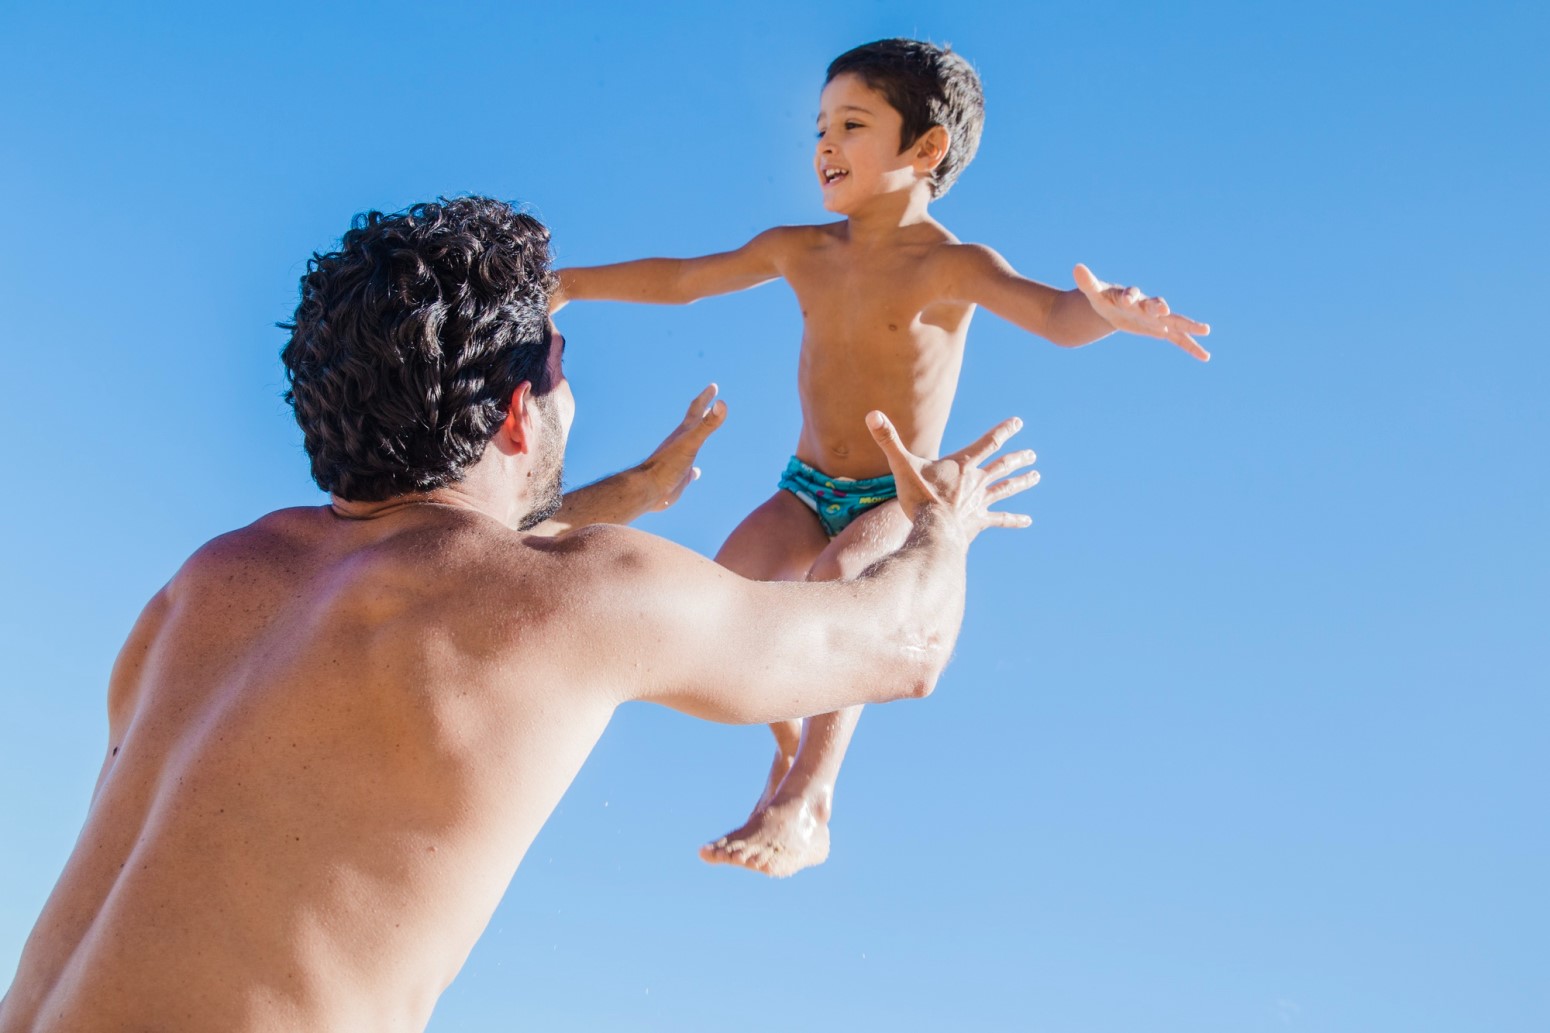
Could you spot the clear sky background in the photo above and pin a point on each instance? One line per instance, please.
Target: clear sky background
(1247, 733)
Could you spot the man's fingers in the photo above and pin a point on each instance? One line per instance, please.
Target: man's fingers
(901, 463)
(991, 441)
(677, 490)
(1011, 486)
(701, 403)
(1008, 463)
(884, 434)
(1007, 520)
(704, 423)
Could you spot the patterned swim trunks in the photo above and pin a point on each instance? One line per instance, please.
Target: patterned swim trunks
(836, 500)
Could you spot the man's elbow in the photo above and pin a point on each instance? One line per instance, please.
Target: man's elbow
(920, 679)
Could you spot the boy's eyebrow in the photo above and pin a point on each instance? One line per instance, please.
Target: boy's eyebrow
(850, 107)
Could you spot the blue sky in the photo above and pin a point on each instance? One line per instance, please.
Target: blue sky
(1247, 733)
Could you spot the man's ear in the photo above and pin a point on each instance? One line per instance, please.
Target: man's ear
(931, 148)
(515, 434)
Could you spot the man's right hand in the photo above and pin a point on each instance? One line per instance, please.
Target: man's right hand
(958, 483)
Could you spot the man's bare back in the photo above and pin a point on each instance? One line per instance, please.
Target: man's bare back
(322, 774)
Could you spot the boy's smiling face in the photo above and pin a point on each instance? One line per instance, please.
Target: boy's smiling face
(858, 155)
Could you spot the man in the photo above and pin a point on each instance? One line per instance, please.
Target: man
(335, 732)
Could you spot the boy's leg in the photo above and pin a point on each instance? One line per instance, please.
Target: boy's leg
(789, 828)
(776, 542)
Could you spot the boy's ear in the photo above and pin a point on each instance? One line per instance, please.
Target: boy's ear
(515, 434)
(931, 148)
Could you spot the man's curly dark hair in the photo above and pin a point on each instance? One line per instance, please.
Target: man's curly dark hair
(409, 340)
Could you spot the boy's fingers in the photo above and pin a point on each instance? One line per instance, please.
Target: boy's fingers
(1190, 326)
(1086, 282)
(1190, 345)
(991, 441)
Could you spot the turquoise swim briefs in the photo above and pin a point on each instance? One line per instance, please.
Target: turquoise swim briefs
(836, 500)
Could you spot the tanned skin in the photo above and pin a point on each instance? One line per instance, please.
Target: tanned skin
(886, 297)
(335, 732)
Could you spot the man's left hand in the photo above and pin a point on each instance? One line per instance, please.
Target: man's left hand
(670, 467)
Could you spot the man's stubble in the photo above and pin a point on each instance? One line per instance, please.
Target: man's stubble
(549, 470)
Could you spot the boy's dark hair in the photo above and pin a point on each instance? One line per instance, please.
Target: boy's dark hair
(929, 86)
(409, 340)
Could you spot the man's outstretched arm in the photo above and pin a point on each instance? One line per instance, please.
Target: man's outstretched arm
(653, 484)
(687, 633)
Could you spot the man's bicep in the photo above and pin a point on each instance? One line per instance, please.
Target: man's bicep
(687, 633)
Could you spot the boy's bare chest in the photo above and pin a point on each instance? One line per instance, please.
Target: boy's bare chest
(862, 299)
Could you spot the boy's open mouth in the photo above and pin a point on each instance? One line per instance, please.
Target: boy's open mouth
(832, 176)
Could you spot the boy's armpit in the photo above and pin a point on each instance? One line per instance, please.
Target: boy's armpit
(970, 271)
(776, 245)
(978, 275)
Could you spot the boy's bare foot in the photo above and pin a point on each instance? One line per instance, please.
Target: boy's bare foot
(778, 839)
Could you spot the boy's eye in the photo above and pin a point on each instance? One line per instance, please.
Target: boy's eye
(820, 134)
(852, 125)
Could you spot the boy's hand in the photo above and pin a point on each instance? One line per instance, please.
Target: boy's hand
(670, 467)
(958, 482)
(1126, 308)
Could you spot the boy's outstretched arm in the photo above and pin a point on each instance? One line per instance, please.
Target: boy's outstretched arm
(1068, 318)
(677, 281)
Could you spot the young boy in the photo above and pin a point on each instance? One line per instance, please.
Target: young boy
(886, 296)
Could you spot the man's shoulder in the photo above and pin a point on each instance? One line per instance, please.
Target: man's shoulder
(267, 536)
(604, 550)
(608, 570)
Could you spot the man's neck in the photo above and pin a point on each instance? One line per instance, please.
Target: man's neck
(483, 489)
